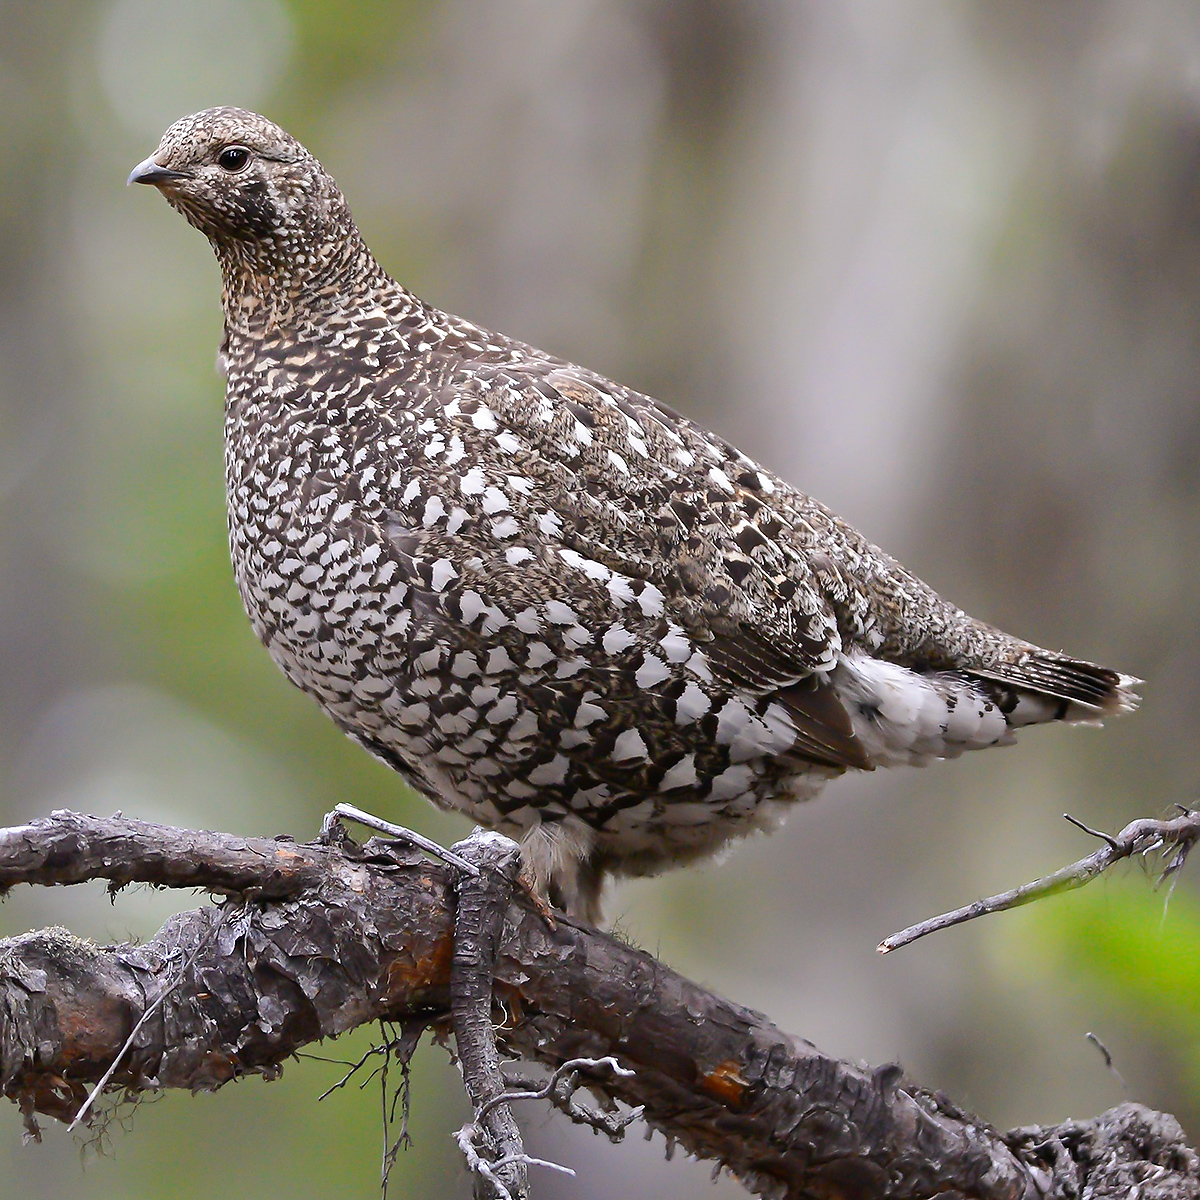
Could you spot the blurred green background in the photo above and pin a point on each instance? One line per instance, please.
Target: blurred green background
(936, 262)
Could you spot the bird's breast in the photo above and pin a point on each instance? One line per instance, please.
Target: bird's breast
(300, 511)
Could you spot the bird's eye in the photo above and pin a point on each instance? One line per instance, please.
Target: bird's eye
(234, 158)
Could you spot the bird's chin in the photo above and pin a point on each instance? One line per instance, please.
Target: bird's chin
(173, 195)
(197, 214)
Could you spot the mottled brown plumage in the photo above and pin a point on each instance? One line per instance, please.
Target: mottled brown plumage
(548, 601)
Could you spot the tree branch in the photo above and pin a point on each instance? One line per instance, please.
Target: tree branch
(326, 938)
(492, 1141)
(1138, 837)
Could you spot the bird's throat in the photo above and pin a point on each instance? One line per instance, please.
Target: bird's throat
(272, 282)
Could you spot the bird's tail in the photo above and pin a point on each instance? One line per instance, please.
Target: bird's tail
(1044, 686)
(900, 715)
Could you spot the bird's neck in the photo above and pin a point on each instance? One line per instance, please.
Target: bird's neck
(290, 280)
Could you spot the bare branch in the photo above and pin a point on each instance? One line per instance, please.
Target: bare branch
(492, 1141)
(350, 812)
(561, 1088)
(1138, 837)
(336, 936)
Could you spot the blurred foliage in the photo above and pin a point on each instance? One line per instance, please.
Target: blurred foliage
(1138, 942)
(345, 45)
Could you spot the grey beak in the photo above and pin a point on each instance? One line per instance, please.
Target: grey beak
(148, 171)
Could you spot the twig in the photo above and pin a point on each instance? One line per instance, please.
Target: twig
(402, 1048)
(468, 1136)
(1138, 837)
(354, 1069)
(560, 1090)
(478, 1165)
(324, 1058)
(550, 1088)
(358, 815)
(1108, 1059)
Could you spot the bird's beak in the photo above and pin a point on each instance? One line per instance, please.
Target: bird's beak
(148, 171)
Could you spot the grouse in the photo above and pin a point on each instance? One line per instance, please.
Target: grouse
(548, 601)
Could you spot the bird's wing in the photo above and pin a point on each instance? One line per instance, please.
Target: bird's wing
(644, 510)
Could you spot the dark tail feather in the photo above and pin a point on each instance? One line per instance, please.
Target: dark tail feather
(1088, 692)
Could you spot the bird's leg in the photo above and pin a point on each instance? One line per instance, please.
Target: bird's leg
(332, 823)
(492, 1140)
(529, 888)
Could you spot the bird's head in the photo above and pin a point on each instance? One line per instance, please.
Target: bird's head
(274, 216)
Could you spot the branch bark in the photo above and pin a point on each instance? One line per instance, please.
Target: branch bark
(309, 941)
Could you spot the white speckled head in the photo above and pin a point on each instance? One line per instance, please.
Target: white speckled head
(273, 214)
(234, 174)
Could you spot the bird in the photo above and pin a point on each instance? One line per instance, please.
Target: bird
(550, 602)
